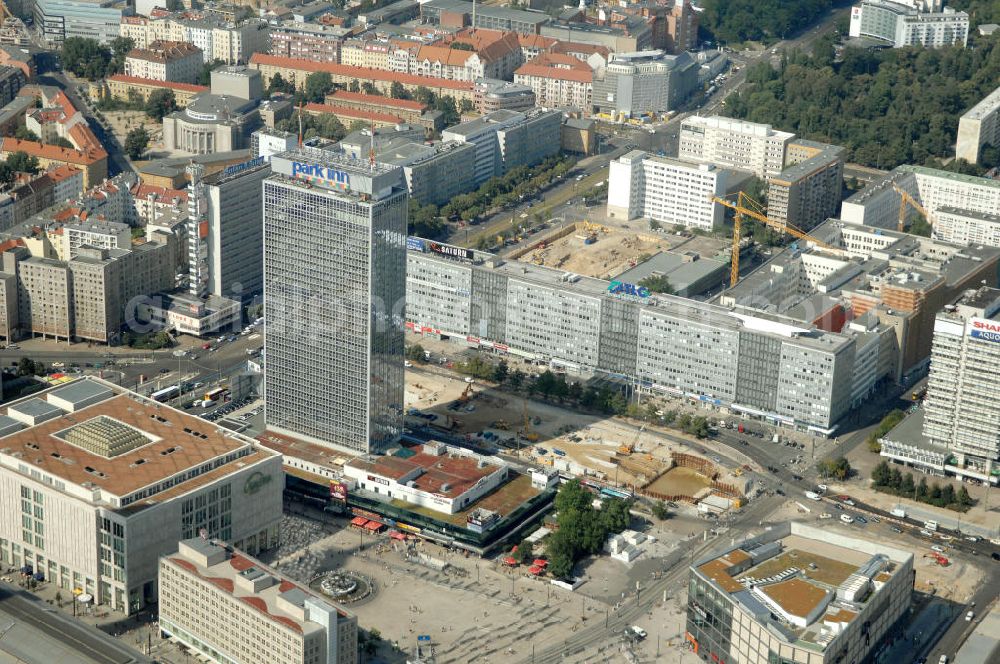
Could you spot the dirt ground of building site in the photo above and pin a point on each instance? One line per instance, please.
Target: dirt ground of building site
(477, 610)
(606, 248)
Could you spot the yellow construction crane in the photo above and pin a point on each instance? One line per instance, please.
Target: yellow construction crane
(746, 206)
(904, 199)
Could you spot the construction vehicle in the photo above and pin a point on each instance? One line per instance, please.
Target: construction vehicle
(595, 228)
(466, 395)
(628, 448)
(526, 432)
(745, 206)
(906, 199)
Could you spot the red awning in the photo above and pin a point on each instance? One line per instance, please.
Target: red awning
(509, 561)
(540, 563)
(359, 521)
(395, 534)
(374, 526)
(536, 570)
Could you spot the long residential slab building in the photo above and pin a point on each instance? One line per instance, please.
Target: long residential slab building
(715, 354)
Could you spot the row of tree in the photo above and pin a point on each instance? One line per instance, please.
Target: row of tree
(887, 424)
(582, 528)
(890, 480)
(769, 20)
(506, 190)
(887, 107)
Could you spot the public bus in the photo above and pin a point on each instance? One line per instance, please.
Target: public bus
(166, 394)
(214, 395)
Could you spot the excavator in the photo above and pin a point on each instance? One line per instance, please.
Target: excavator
(628, 448)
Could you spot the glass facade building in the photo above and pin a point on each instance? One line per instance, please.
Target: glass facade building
(334, 299)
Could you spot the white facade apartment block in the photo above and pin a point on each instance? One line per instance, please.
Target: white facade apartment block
(666, 190)
(232, 609)
(105, 235)
(902, 23)
(565, 324)
(441, 291)
(878, 204)
(730, 143)
(977, 127)
(967, 228)
(551, 90)
(685, 355)
(165, 61)
(960, 411)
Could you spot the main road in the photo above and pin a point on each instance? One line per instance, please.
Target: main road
(673, 579)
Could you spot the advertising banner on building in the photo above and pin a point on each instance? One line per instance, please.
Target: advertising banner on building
(338, 491)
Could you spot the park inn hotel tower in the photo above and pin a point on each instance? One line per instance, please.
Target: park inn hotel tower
(334, 299)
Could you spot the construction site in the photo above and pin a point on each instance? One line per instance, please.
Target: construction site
(611, 451)
(604, 251)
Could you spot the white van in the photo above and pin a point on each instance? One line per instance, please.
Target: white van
(846, 518)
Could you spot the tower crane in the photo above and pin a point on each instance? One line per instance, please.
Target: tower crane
(906, 199)
(748, 207)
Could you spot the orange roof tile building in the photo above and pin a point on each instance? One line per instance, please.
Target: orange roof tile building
(296, 71)
(124, 88)
(558, 80)
(434, 475)
(348, 116)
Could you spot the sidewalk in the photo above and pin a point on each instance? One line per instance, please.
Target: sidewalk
(140, 632)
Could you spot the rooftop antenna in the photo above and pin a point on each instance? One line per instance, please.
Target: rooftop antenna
(300, 123)
(371, 148)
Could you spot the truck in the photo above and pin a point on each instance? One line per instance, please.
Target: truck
(931, 526)
(812, 495)
(775, 438)
(898, 512)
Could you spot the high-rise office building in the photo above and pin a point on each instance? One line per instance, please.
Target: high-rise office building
(334, 298)
(961, 413)
(235, 216)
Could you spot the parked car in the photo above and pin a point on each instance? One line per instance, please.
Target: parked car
(939, 549)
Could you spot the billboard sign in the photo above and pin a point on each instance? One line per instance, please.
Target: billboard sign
(245, 166)
(987, 330)
(414, 243)
(323, 176)
(448, 250)
(628, 290)
(338, 491)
